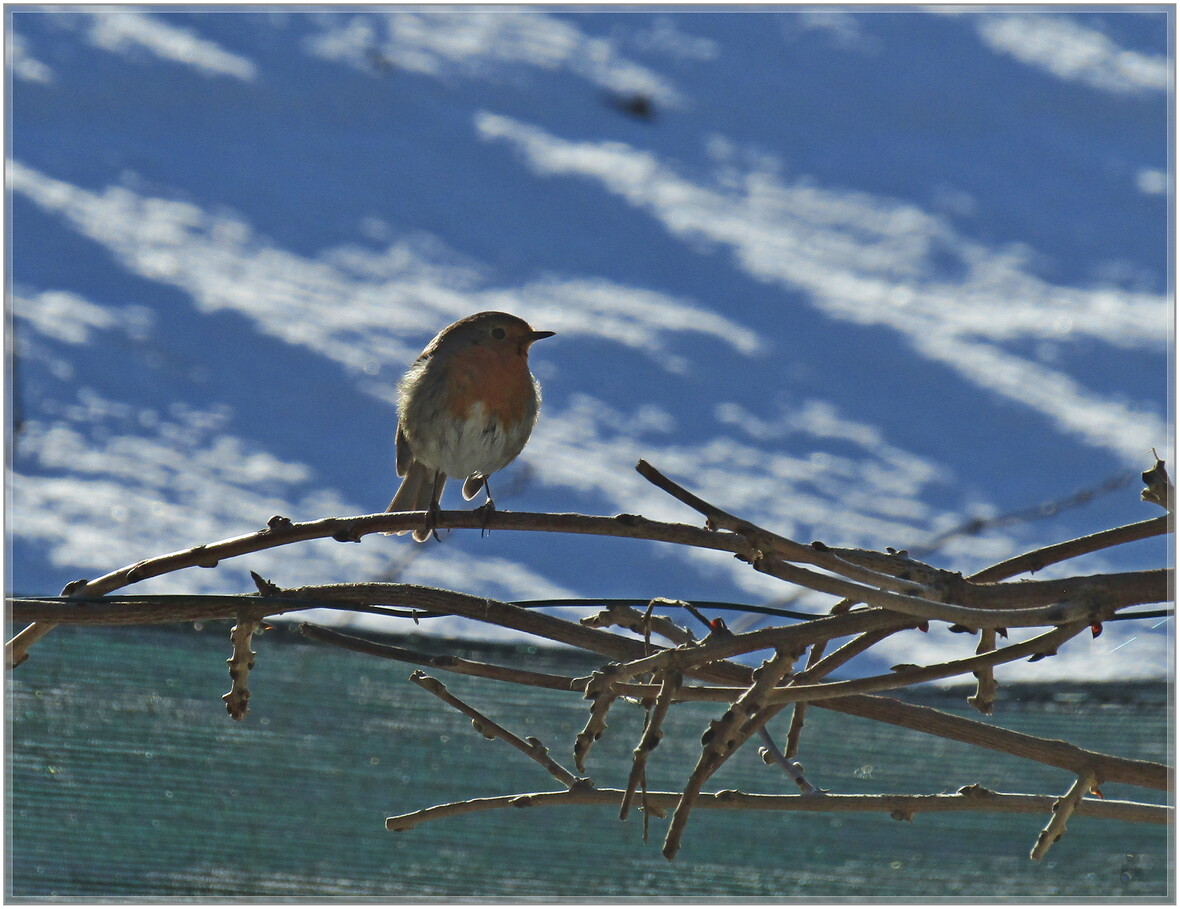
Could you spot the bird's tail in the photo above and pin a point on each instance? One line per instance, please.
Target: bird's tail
(421, 487)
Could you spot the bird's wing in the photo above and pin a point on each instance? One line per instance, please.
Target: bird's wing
(404, 454)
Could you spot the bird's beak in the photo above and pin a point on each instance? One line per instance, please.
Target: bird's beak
(538, 335)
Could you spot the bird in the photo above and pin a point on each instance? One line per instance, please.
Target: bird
(466, 408)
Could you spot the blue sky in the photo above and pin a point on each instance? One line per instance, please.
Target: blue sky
(865, 275)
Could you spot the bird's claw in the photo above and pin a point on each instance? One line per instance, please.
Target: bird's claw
(429, 526)
(485, 512)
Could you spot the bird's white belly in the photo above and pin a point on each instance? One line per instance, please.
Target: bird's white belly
(479, 444)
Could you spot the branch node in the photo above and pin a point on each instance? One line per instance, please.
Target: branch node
(1159, 489)
(347, 534)
(74, 586)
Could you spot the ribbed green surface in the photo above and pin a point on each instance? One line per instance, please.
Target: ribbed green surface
(128, 780)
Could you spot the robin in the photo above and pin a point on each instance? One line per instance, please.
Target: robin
(467, 407)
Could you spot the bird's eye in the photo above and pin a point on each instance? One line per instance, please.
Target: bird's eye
(498, 334)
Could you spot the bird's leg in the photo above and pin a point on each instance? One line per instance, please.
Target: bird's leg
(432, 518)
(429, 526)
(486, 510)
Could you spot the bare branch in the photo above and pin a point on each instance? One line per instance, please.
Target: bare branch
(819, 666)
(599, 689)
(1062, 809)
(1070, 549)
(652, 733)
(973, 798)
(1000, 605)
(281, 531)
(724, 736)
(985, 686)
(1044, 644)
(240, 664)
(490, 729)
(449, 663)
(1107, 768)
(922, 719)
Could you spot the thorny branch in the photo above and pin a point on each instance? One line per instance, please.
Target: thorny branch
(881, 594)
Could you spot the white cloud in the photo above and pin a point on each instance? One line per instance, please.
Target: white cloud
(1152, 182)
(67, 317)
(476, 42)
(23, 64)
(125, 32)
(359, 307)
(665, 37)
(875, 261)
(842, 29)
(1072, 52)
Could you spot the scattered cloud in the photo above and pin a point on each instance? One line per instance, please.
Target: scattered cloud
(1152, 182)
(67, 317)
(876, 261)
(841, 28)
(128, 33)
(477, 42)
(665, 37)
(1063, 47)
(359, 307)
(23, 64)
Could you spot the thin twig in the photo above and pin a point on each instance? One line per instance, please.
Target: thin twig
(490, 729)
(799, 710)
(771, 755)
(820, 666)
(1063, 808)
(1023, 604)
(1108, 767)
(724, 736)
(899, 593)
(762, 542)
(599, 689)
(650, 739)
(448, 662)
(1070, 549)
(1043, 644)
(984, 698)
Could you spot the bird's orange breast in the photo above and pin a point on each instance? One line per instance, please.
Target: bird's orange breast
(500, 381)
